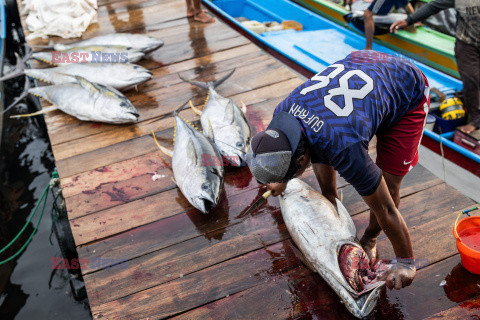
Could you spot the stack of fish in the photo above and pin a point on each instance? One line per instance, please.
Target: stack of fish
(91, 70)
(198, 159)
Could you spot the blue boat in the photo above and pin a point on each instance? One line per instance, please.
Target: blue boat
(3, 37)
(321, 43)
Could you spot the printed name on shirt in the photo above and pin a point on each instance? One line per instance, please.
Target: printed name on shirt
(310, 120)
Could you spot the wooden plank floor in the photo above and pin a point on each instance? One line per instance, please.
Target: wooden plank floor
(151, 255)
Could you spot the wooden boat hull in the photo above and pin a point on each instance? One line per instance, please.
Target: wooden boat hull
(428, 46)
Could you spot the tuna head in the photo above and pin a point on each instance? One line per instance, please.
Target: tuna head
(111, 106)
(203, 181)
(140, 75)
(204, 188)
(231, 130)
(147, 43)
(116, 109)
(232, 144)
(326, 237)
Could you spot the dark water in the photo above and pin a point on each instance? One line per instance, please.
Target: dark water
(29, 289)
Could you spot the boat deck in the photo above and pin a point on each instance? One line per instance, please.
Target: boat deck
(148, 254)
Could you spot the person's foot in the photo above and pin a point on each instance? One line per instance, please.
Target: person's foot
(370, 247)
(191, 12)
(203, 17)
(368, 48)
(468, 128)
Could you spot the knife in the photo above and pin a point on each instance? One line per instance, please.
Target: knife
(257, 203)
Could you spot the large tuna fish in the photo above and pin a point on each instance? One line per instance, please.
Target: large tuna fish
(89, 54)
(224, 122)
(117, 75)
(140, 42)
(327, 239)
(87, 101)
(196, 167)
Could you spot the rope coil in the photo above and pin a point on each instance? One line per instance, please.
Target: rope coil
(52, 184)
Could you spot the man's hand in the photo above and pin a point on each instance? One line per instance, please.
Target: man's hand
(401, 275)
(277, 188)
(400, 24)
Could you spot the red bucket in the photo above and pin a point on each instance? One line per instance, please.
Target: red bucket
(470, 256)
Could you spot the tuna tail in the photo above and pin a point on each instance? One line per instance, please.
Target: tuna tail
(50, 45)
(22, 96)
(17, 71)
(210, 84)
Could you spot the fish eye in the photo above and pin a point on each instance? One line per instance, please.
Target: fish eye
(205, 186)
(240, 144)
(136, 67)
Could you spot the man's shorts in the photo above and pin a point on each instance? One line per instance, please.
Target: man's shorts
(397, 147)
(383, 7)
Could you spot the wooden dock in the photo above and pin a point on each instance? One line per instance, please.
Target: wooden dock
(152, 256)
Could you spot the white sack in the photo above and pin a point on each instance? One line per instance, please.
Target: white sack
(63, 18)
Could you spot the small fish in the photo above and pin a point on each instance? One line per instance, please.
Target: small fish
(86, 101)
(198, 177)
(224, 122)
(326, 238)
(89, 54)
(139, 42)
(117, 75)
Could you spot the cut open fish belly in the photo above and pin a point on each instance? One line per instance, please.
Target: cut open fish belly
(327, 239)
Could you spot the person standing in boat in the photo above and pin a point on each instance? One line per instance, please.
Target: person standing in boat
(328, 121)
(381, 8)
(467, 49)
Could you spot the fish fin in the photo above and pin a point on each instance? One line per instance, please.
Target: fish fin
(95, 87)
(191, 152)
(229, 115)
(197, 111)
(83, 82)
(43, 111)
(218, 82)
(210, 131)
(344, 217)
(173, 180)
(166, 151)
(195, 83)
(244, 107)
(302, 257)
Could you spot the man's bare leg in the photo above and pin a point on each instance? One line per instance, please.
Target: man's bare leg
(411, 28)
(369, 238)
(369, 28)
(190, 8)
